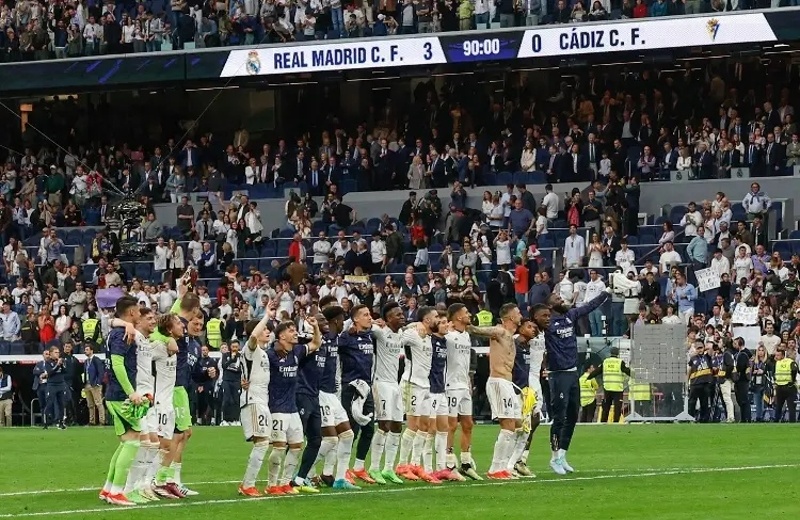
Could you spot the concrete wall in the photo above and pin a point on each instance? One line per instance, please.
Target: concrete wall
(654, 197)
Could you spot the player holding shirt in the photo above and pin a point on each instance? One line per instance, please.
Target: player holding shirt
(284, 356)
(458, 387)
(164, 352)
(357, 355)
(521, 376)
(254, 401)
(503, 399)
(439, 424)
(388, 395)
(537, 351)
(120, 395)
(335, 426)
(417, 341)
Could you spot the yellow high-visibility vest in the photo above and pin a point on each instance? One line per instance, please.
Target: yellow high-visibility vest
(588, 389)
(613, 379)
(639, 391)
(89, 326)
(485, 318)
(214, 333)
(783, 372)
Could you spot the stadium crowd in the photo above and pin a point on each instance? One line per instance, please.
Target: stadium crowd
(40, 30)
(440, 248)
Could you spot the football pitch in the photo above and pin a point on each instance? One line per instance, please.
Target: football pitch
(622, 471)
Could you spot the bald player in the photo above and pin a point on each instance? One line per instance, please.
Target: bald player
(503, 399)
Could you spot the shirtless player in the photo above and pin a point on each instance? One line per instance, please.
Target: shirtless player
(503, 400)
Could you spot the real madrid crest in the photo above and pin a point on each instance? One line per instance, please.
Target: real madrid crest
(253, 64)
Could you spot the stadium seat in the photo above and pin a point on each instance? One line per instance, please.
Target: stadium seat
(490, 179)
(794, 235)
(537, 177)
(74, 237)
(677, 213)
(286, 233)
(505, 178)
(143, 270)
(349, 185)
(17, 348)
(783, 248)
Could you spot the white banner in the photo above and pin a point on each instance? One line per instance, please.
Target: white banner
(707, 279)
(743, 315)
(368, 53)
(750, 335)
(647, 34)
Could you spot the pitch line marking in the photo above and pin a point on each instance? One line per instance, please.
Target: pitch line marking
(182, 503)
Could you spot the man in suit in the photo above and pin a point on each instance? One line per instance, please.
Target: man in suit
(384, 166)
(753, 157)
(773, 156)
(759, 232)
(93, 371)
(611, 244)
(773, 117)
(578, 165)
(315, 180)
(189, 156)
(438, 173)
(704, 162)
(670, 159)
(593, 154)
(299, 168)
(331, 174)
(40, 387)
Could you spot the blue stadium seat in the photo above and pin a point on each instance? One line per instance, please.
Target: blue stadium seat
(269, 248)
(143, 270)
(5, 348)
(738, 212)
(258, 191)
(795, 235)
(784, 248)
(677, 213)
(92, 217)
(490, 179)
(318, 226)
(660, 220)
(248, 263)
(505, 178)
(537, 177)
(286, 233)
(632, 240)
(17, 348)
(74, 237)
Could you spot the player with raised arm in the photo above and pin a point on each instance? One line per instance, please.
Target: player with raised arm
(419, 354)
(439, 420)
(123, 402)
(561, 347)
(388, 396)
(458, 388)
(187, 307)
(357, 356)
(254, 400)
(145, 386)
(503, 400)
(520, 377)
(337, 436)
(287, 429)
(537, 354)
(160, 474)
(310, 372)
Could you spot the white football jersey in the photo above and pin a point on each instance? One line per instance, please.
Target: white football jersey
(421, 356)
(459, 352)
(144, 365)
(165, 370)
(537, 354)
(388, 349)
(255, 369)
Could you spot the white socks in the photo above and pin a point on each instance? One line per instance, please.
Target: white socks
(406, 444)
(327, 453)
(343, 450)
(441, 450)
(177, 467)
(254, 463)
(392, 444)
(502, 450)
(275, 460)
(418, 447)
(138, 468)
(376, 450)
(290, 465)
(519, 446)
(427, 453)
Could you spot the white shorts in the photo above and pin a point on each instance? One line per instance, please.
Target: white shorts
(420, 403)
(331, 410)
(165, 415)
(149, 423)
(536, 386)
(255, 421)
(459, 402)
(388, 401)
(439, 405)
(503, 400)
(287, 428)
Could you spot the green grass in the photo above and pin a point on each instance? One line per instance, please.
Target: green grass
(638, 472)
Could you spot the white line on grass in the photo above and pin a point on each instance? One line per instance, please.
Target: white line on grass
(220, 482)
(375, 490)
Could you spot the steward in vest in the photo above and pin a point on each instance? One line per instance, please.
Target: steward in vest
(700, 381)
(613, 371)
(785, 385)
(642, 396)
(214, 330)
(91, 330)
(588, 395)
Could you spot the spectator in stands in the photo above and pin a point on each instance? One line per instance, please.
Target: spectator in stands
(669, 257)
(756, 203)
